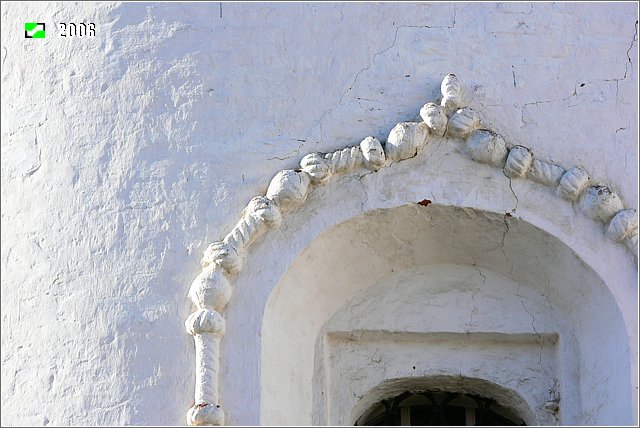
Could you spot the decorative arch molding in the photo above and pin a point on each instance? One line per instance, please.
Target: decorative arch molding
(288, 190)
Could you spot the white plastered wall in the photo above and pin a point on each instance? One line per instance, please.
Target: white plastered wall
(124, 156)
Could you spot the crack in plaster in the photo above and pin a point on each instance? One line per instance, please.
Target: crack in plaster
(375, 55)
(633, 40)
(548, 294)
(617, 80)
(366, 192)
(530, 10)
(533, 322)
(294, 153)
(513, 192)
(473, 295)
(620, 129)
(555, 100)
(626, 153)
(626, 158)
(627, 63)
(504, 236)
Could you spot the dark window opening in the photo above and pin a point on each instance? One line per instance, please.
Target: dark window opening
(439, 408)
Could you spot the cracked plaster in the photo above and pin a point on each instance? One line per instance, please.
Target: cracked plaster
(97, 240)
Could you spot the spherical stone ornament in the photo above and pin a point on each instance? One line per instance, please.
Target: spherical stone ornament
(573, 182)
(463, 122)
(435, 117)
(451, 92)
(263, 209)
(623, 225)
(289, 188)
(487, 147)
(317, 168)
(518, 162)
(205, 414)
(600, 203)
(205, 321)
(210, 289)
(224, 255)
(405, 140)
(374, 157)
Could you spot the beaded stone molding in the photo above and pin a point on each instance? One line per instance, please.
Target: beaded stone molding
(211, 290)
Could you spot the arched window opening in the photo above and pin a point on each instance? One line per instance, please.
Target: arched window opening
(428, 408)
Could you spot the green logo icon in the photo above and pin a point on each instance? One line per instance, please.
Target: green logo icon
(34, 30)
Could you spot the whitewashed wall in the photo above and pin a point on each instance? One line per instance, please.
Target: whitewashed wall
(124, 155)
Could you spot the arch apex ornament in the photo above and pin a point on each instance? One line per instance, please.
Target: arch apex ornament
(463, 122)
(222, 261)
(435, 117)
(451, 93)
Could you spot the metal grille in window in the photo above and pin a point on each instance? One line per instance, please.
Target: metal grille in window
(439, 408)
